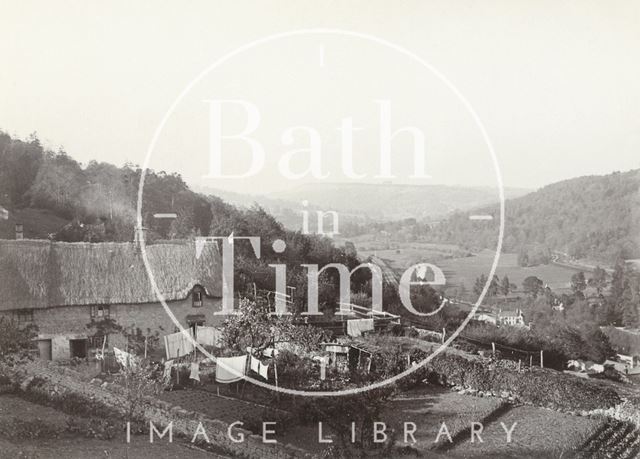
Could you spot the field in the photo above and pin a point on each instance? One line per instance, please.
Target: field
(466, 269)
(538, 433)
(47, 437)
(429, 407)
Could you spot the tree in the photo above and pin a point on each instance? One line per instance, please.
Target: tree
(532, 286)
(630, 315)
(598, 279)
(478, 287)
(494, 286)
(578, 284)
(255, 326)
(630, 300)
(618, 281)
(139, 382)
(505, 286)
(15, 341)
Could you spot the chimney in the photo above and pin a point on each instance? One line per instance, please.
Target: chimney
(19, 231)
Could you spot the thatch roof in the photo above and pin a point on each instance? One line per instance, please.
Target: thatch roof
(40, 274)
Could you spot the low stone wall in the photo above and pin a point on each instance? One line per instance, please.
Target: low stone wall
(59, 380)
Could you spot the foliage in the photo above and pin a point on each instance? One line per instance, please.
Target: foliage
(138, 381)
(15, 341)
(532, 286)
(586, 217)
(540, 387)
(295, 372)
(559, 340)
(254, 326)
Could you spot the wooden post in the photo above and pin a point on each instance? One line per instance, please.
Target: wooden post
(145, 347)
(275, 375)
(530, 361)
(541, 359)
(493, 348)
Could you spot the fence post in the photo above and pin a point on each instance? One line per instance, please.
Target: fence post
(530, 361)
(493, 348)
(541, 359)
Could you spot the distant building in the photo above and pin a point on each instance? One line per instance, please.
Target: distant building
(63, 287)
(486, 317)
(511, 318)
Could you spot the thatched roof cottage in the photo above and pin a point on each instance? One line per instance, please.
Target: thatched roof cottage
(62, 287)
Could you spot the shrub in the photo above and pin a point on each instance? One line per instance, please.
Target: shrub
(542, 387)
(295, 371)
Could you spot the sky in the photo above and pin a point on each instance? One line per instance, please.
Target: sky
(554, 83)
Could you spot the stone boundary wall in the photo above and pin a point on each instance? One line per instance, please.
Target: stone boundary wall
(59, 380)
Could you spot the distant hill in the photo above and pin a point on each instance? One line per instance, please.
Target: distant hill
(378, 202)
(595, 217)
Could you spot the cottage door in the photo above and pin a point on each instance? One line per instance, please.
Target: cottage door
(44, 347)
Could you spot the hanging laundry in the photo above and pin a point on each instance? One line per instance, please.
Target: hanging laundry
(356, 327)
(263, 370)
(270, 352)
(179, 344)
(230, 369)
(195, 371)
(208, 336)
(255, 364)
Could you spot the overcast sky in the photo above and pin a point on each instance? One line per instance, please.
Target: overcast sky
(556, 84)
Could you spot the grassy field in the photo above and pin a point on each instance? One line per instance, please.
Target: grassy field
(408, 253)
(428, 407)
(539, 433)
(466, 269)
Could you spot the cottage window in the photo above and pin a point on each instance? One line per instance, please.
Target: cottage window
(25, 315)
(197, 298)
(100, 311)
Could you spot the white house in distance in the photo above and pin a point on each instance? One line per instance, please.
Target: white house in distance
(510, 318)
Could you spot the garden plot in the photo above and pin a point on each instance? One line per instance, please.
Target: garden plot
(430, 407)
(538, 433)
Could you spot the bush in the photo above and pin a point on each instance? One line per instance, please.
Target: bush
(541, 387)
(294, 371)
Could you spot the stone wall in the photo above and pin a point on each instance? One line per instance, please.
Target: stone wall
(57, 380)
